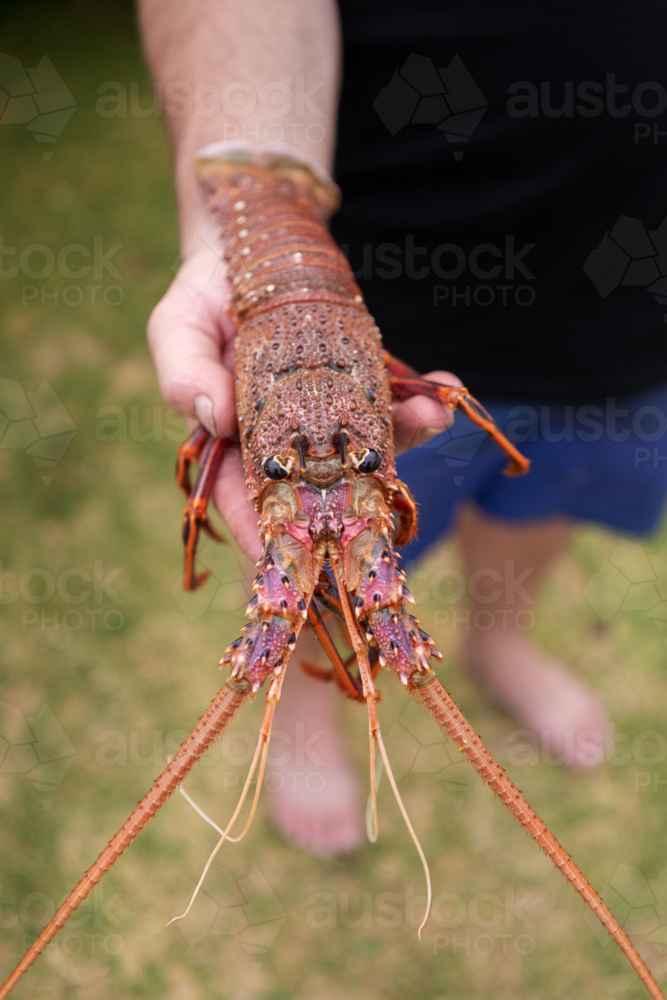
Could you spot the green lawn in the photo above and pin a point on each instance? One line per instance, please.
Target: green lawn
(100, 678)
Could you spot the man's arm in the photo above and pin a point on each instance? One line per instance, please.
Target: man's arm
(259, 70)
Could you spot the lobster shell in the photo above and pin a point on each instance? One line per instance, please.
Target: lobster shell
(309, 358)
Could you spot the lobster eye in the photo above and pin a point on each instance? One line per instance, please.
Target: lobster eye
(275, 469)
(370, 462)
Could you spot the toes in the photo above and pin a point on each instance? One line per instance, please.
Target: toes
(545, 697)
(574, 732)
(590, 737)
(325, 827)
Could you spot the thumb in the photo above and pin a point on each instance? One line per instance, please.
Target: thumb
(189, 333)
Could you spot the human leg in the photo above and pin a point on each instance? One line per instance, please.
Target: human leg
(313, 793)
(505, 564)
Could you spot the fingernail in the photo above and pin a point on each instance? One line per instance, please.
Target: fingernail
(204, 412)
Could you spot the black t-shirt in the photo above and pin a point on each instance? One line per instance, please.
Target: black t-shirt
(504, 177)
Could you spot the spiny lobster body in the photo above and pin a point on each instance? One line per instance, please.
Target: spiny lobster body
(313, 406)
(314, 395)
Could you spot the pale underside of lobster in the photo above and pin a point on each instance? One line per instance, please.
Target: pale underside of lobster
(313, 392)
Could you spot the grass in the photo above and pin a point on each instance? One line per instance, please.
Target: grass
(275, 923)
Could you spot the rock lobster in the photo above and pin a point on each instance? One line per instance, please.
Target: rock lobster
(313, 391)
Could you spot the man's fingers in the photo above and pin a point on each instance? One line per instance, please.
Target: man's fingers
(230, 496)
(420, 418)
(189, 335)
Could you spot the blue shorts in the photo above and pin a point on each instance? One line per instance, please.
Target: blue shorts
(604, 462)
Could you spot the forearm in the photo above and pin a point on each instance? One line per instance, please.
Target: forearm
(255, 70)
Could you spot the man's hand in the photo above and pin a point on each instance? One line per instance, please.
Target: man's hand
(192, 342)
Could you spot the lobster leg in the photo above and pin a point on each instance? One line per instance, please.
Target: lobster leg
(221, 711)
(348, 682)
(405, 383)
(327, 594)
(404, 507)
(195, 513)
(188, 453)
(433, 696)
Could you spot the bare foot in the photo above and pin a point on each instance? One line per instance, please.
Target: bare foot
(542, 694)
(313, 794)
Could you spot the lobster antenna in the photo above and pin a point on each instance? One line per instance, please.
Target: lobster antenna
(225, 834)
(221, 710)
(263, 749)
(392, 782)
(370, 694)
(372, 826)
(369, 802)
(198, 809)
(368, 687)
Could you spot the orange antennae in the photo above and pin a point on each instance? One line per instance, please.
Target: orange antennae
(220, 712)
(263, 741)
(432, 694)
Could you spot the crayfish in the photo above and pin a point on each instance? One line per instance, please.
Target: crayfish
(313, 394)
